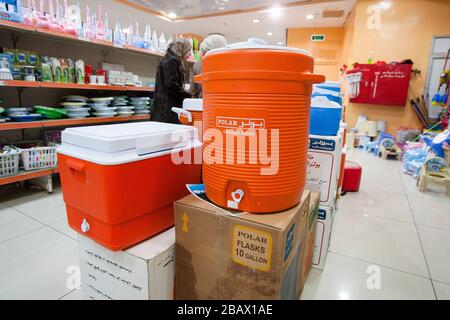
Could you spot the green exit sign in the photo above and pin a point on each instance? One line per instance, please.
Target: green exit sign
(318, 37)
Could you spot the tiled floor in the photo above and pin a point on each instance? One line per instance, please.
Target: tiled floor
(388, 230)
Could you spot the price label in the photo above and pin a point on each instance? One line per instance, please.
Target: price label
(84, 39)
(2, 83)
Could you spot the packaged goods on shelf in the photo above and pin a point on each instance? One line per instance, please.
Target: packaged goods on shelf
(23, 65)
(111, 66)
(143, 272)
(309, 232)
(224, 255)
(55, 63)
(79, 71)
(65, 70)
(323, 236)
(5, 67)
(10, 10)
(323, 167)
(47, 74)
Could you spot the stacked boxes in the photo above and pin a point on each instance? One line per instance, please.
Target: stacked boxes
(310, 234)
(324, 159)
(143, 272)
(323, 235)
(116, 75)
(224, 255)
(324, 163)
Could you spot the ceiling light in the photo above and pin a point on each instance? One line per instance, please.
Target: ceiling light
(310, 16)
(256, 21)
(172, 15)
(269, 33)
(386, 5)
(275, 12)
(343, 295)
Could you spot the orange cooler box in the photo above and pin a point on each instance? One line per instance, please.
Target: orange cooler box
(120, 181)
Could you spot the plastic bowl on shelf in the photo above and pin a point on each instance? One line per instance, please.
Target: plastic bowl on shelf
(77, 109)
(104, 100)
(142, 112)
(27, 118)
(124, 113)
(74, 98)
(73, 104)
(103, 114)
(11, 112)
(102, 108)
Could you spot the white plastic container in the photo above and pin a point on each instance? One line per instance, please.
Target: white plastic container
(39, 158)
(9, 164)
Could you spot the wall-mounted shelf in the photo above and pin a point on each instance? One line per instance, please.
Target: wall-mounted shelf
(69, 122)
(75, 86)
(27, 175)
(56, 35)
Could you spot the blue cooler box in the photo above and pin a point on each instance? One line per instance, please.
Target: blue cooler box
(325, 117)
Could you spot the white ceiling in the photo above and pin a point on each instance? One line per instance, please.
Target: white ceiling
(190, 8)
(236, 27)
(239, 27)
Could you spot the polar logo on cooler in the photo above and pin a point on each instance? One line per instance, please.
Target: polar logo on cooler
(240, 123)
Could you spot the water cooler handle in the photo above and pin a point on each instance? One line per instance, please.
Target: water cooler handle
(198, 78)
(181, 111)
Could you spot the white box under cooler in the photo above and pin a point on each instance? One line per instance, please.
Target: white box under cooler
(143, 272)
(120, 181)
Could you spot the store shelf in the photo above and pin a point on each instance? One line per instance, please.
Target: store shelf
(68, 122)
(75, 86)
(56, 35)
(28, 175)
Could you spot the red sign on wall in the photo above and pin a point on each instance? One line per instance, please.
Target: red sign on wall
(383, 84)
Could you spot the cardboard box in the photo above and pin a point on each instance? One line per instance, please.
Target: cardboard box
(324, 158)
(221, 255)
(143, 272)
(323, 235)
(308, 252)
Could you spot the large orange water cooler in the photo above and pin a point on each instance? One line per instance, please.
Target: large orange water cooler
(252, 90)
(120, 181)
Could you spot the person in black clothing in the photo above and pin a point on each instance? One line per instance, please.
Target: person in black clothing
(169, 88)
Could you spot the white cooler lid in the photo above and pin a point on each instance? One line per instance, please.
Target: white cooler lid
(126, 142)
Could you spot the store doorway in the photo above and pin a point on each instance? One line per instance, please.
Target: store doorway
(439, 49)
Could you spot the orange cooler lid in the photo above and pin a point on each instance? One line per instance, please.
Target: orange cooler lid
(255, 60)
